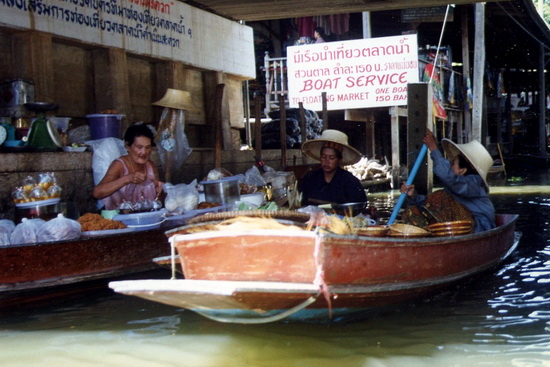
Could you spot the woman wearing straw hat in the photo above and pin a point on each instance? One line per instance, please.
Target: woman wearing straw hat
(331, 183)
(464, 177)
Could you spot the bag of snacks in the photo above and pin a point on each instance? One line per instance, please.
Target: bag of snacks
(25, 232)
(59, 229)
(6, 228)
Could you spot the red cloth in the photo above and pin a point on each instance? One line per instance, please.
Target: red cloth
(305, 26)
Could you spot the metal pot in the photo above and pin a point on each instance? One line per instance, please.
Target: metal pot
(224, 191)
(16, 92)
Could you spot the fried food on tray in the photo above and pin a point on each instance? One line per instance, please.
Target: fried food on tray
(206, 205)
(95, 222)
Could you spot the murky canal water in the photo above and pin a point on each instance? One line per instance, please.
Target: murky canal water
(500, 318)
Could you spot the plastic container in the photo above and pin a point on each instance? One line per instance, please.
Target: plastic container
(182, 219)
(141, 218)
(103, 125)
(224, 191)
(255, 199)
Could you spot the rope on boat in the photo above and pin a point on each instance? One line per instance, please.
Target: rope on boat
(320, 273)
(262, 319)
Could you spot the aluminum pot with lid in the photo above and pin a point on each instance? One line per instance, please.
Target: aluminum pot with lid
(224, 191)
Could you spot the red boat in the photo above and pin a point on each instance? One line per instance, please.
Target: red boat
(262, 276)
(34, 266)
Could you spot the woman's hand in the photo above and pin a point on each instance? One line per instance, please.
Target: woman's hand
(137, 177)
(158, 187)
(408, 189)
(430, 141)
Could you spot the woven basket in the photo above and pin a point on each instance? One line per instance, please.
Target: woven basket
(276, 214)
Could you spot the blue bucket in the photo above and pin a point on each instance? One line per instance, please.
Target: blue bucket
(103, 125)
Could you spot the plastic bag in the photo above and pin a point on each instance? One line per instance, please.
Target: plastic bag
(218, 174)
(172, 144)
(26, 232)
(105, 152)
(6, 228)
(253, 177)
(59, 229)
(181, 198)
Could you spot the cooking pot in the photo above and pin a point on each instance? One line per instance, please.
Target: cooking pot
(224, 191)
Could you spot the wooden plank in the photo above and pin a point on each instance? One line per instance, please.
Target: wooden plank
(258, 127)
(419, 118)
(325, 112)
(282, 130)
(111, 82)
(303, 127)
(395, 151)
(479, 71)
(35, 62)
(467, 119)
(218, 143)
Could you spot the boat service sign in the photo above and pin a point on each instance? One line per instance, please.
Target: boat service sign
(372, 72)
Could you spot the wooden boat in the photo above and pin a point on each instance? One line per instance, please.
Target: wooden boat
(262, 276)
(26, 267)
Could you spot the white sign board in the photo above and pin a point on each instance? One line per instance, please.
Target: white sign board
(160, 28)
(363, 73)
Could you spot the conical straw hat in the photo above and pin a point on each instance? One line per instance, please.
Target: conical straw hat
(474, 152)
(178, 99)
(332, 139)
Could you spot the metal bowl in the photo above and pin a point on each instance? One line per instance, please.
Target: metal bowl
(349, 209)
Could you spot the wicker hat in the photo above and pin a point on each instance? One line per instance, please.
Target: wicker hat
(332, 139)
(475, 154)
(178, 99)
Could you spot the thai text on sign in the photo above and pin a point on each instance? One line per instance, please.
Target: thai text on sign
(361, 73)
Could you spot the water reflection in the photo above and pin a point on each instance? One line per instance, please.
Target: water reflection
(499, 318)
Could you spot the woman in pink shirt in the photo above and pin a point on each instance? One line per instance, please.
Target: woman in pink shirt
(133, 177)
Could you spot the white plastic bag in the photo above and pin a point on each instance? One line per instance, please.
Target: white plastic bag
(181, 198)
(25, 232)
(105, 152)
(172, 144)
(6, 228)
(59, 229)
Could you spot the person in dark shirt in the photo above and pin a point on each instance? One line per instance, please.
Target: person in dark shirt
(331, 183)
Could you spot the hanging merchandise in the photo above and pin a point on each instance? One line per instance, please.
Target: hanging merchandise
(451, 95)
(469, 94)
(173, 146)
(430, 74)
(501, 91)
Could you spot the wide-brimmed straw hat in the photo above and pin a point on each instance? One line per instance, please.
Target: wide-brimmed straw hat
(474, 153)
(178, 99)
(332, 139)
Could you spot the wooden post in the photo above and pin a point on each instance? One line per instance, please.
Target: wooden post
(282, 130)
(542, 101)
(258, 126)
(395, 161)
(467, 117)
(303, 127)
(218, 143)
(479, 71)
(420, 117)
(35, 61)
(325, 112)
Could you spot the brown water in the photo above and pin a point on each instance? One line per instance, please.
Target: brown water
(500, 318)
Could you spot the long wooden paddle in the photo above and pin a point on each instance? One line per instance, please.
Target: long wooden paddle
(410, 180)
